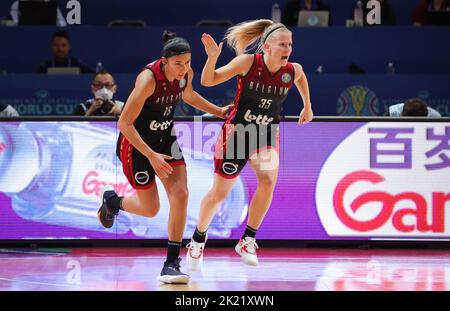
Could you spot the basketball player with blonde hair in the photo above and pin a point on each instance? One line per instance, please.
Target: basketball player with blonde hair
(264, 80)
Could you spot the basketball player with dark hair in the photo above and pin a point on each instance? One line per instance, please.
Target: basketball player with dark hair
(147, 146)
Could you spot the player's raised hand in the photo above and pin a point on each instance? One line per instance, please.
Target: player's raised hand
(211, 48)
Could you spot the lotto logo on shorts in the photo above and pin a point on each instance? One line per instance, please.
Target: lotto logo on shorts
(156, 126)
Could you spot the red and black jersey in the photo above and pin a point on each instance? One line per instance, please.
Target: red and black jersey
(155, 126)
(156, 116)
(260, 94)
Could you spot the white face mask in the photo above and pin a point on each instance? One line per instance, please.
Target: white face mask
(104, 94)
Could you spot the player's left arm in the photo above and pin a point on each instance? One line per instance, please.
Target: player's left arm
(301, 82)
(191, 97)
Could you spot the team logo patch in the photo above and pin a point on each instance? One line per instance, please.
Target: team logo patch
(229, 168)
(286, 78)
(182, 83)
(141, 177)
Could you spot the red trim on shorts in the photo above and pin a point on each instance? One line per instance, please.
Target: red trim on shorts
(130, 166)
(177, 163)
(145, 187)
(236, 101)
(222, 143)
(222, 138)
(126, 149)
(218, 172)
(218, 148)
(125, 170)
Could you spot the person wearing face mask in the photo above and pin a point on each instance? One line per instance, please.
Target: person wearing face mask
(147, 146)
(102, 104)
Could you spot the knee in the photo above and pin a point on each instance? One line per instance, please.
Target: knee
(217, 195)
(151, 211)
(179, 196)
(267, 181)
(183, 194)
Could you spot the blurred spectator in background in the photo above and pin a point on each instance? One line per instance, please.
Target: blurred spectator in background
(7, 110)
(387, 13)
(14, 14)
(102, 104)
(428, 6)
(60, 46)
(413, 107)
(289, 16)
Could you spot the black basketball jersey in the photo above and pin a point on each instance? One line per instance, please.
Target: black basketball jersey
(260, 94)
(156, 116)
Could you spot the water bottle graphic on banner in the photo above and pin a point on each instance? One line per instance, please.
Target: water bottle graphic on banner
(54, 172)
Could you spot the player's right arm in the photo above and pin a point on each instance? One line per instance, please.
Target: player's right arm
(144, 87)
(211, 76)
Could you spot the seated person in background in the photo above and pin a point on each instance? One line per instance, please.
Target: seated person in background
(428, 6)
(387, 13)
(60, 49)
(7, 110)
(102, 104)
(414, 107)
(289, 17)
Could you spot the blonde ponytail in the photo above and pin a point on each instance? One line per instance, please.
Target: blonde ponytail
(243, 36)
